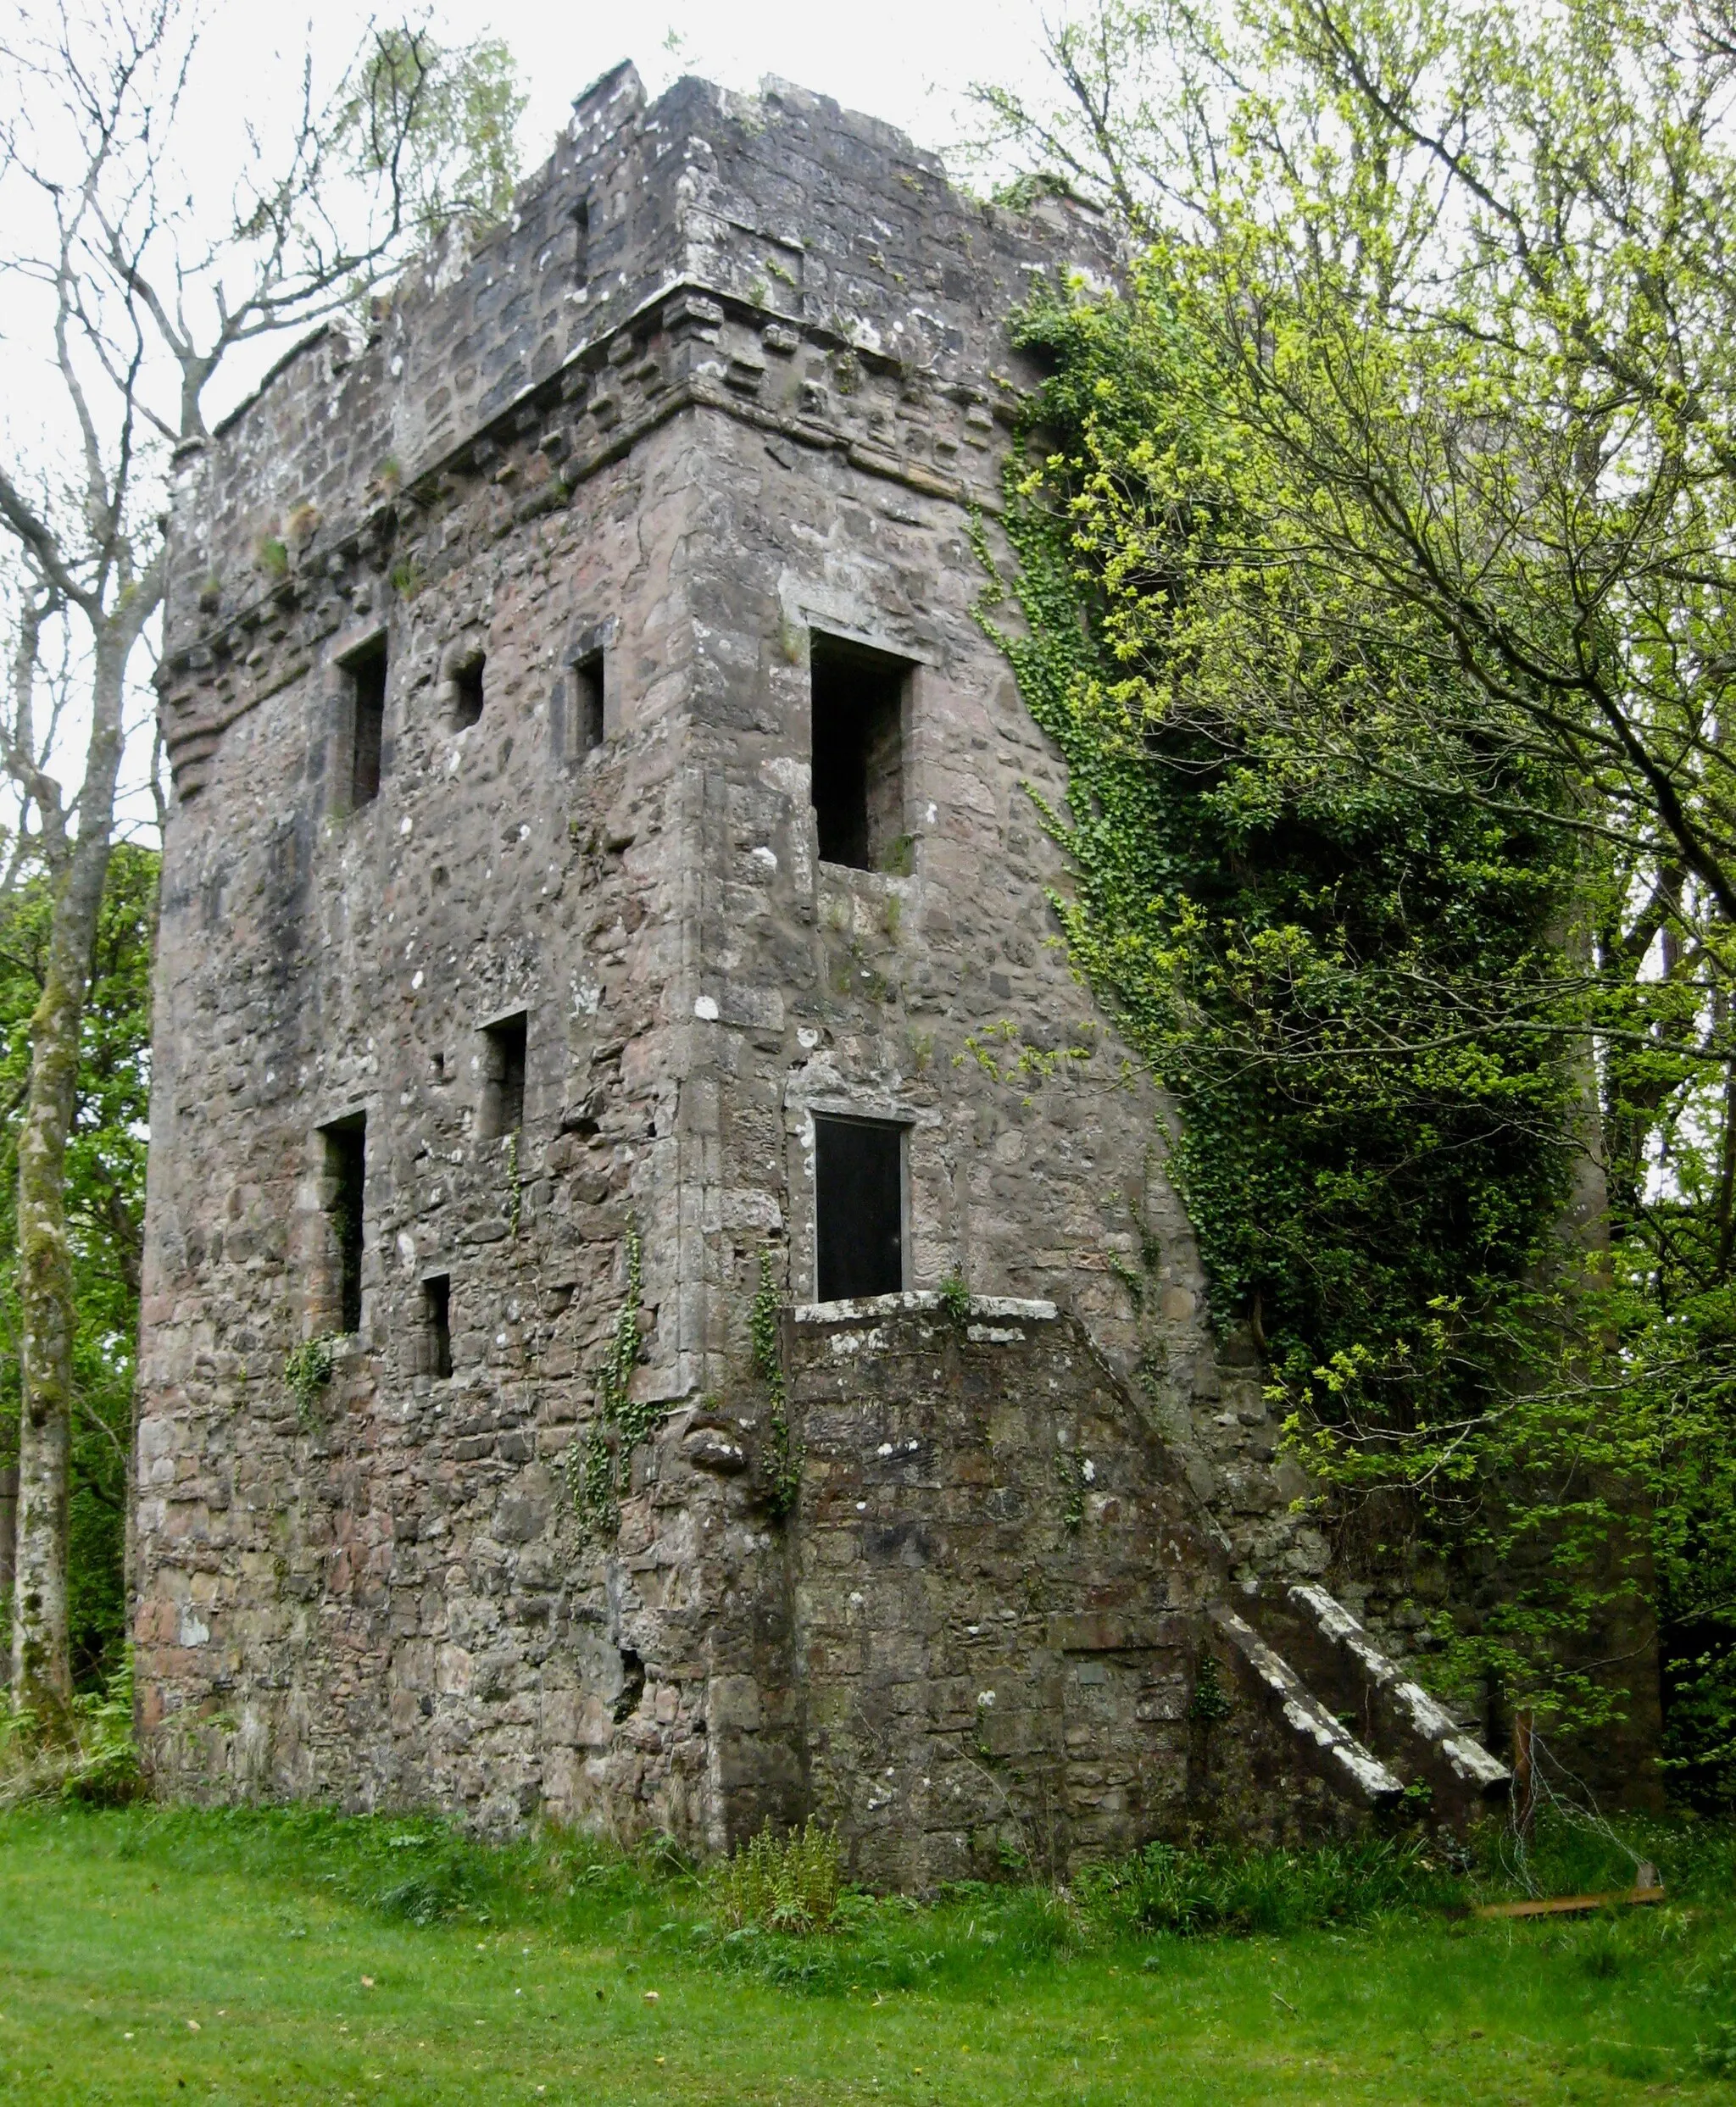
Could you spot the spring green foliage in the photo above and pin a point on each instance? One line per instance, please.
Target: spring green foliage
(789, 1884)
(308, 1368)
(1399, 502)
(439, 122)
(492, 1972)
(783, 1454)
(1310, 958)
(105, 1197)
(1348, 975)
(597, 1466)
(91, 1757)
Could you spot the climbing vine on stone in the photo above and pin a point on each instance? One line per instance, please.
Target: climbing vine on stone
(783, 1454)
(597, 1466)
(306, 1370)
(1333, 928)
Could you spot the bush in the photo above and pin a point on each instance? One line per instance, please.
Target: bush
(789, 1884)
(89, 1756)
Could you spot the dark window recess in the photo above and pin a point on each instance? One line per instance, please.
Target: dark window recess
(859, 1196)
(367, 688)
(437, 1324)
(587, 703)
(581, 240)
(858, 754)
(632, 1685)
(504, 1076)
(467, 692)
(346, 1177)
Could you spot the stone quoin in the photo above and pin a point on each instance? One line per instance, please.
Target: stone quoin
(602, 832)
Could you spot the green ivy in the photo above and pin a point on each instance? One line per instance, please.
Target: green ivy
(783, 1454)
(1339, 945)
(596, 1466)
(306, 1370)
(1308, 955)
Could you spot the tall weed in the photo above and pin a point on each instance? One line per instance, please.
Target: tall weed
(789, 1884)
(92, 1757)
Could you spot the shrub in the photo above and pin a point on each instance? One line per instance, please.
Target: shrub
(89, 1755)
(789, 1883)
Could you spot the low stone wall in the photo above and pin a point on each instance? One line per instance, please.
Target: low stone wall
(997, 1593)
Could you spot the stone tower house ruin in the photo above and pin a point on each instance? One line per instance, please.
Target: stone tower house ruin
(600, 832)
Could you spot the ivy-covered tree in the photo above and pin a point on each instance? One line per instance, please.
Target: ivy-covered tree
(1381, 543)
(105, 1201)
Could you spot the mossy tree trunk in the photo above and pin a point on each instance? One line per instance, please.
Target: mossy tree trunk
(41, 1656)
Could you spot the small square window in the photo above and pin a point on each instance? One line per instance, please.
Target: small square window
(437, 1325)
(859, 1171)
(858, 700)
(504, 1049)
(365, 671)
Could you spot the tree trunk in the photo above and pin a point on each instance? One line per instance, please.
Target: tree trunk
(42, 1654)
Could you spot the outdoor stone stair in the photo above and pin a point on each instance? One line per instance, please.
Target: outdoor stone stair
(1333, 1659)
(1354, 1776)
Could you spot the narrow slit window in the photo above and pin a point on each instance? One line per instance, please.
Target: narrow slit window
(859, 1205)
(436, 1325)
(588, 702)
(504, 1076)
(467, 692)
(858, 697)
(346, 1180)
(366, 673)
(581, 240)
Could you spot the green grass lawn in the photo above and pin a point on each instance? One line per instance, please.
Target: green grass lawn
(154, 1956)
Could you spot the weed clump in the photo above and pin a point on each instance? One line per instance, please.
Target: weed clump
(1220, 1889)
(790, 1884)
(88, 1754)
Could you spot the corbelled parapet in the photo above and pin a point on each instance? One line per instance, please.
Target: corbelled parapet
(802, 269)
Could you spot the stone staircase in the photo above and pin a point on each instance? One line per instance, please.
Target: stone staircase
(1300, 1656)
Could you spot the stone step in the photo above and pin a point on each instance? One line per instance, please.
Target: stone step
(1310, 1732)
(1393, 1712)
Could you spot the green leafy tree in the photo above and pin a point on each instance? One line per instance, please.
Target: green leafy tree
(105, 1199)
(1405, 487)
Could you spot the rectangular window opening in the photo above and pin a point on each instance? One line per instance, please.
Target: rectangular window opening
(346, 1180)
(467, 692)
(859, 1171)
(504, 1076)
(436, 1325)
(581, 240)
(858, 697)
(366, 671)
(588, 702)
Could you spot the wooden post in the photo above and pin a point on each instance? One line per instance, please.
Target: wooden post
(1524, 1780)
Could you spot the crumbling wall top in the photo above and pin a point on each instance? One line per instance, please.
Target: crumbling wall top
(796, 215)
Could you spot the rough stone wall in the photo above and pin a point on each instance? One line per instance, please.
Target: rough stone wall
(766, 406)
(997, 1590)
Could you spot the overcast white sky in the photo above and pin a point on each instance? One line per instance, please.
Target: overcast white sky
(909, 61)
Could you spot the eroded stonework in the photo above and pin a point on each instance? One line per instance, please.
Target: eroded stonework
(737, 374)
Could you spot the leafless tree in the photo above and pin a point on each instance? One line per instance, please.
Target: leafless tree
(130, 299)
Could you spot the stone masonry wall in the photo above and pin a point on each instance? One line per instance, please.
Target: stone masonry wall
(767, 401)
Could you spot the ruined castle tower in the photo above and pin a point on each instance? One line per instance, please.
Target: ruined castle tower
(600, 830)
